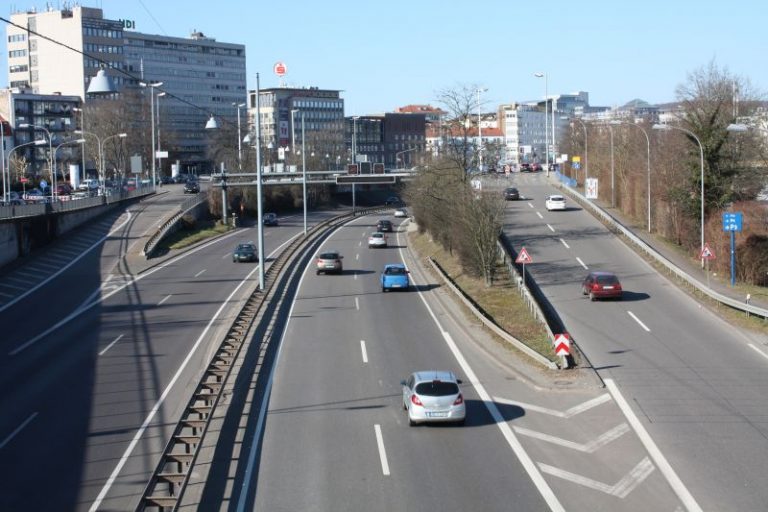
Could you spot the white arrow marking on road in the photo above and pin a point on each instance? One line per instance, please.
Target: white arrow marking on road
(638, 321)
(621, 489)
(565, 244)
(573, 411)
(582, 263)
(589, 447)
(540, 215)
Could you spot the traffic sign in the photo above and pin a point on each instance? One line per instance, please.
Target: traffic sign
(280, 68)
(707, 253)
(523, 257)
(562, 344)
(591, 185)
(732, 221)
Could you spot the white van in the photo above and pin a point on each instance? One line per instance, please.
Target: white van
(89, 185)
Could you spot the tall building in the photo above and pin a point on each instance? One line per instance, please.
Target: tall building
(523, 127)
(393, 138)
(201, 77)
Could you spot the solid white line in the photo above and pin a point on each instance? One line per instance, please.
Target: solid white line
(582, 263)
(164, 299)
(382, 451)
(638, 321)
(653, 450)
(759, 351)
(201, 272)
(110, 345)
(365, 352)
(62, 269)
(540, 215)
(18, 429)
(357, 304)
(565, 244)
(551, 228)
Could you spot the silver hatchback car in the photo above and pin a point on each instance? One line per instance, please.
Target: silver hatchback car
(433, 396)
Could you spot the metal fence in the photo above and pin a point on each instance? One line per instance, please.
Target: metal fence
(68, 205)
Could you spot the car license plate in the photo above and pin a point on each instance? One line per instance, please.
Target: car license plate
(329, 266)
(437, 415)
(396, 286)
(607, 287)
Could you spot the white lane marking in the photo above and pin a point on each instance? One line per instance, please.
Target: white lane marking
(164, 299)
(355, 276)
(565, 244)
(18, 429)
(540, 215)
(759, 351)
(382, 451)
(590, 447)
(226, 255)
(621, 489)
(360, 243)
(357, 304)
(638, 321)
(573, 411)
(25, 273)
(530, 205)
(201, 272)
(65, 267)
(664, 466)
(365, 352)
(13, 286)
(582, 263)
(551, 228)
(357, 256)
(110, 345)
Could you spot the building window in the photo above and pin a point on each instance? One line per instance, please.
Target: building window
(14, 54)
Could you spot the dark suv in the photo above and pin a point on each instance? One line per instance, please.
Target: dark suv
(511, 194)
(385, 226)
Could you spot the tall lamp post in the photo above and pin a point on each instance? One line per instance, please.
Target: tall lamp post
(239, 137)
(397, 156)
(479, 131)
(546, 115)
(102, 167)
(82, 127)
(50, 153)
(648, 147)
(303, 173)
(38, 142)
(354, 156)
(259, 204)
(65, 143)
(152, 86)
(157, 121)
(613, 174)
(701, 155)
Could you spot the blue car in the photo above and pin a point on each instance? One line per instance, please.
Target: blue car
(394, 276)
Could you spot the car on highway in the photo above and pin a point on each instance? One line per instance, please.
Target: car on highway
(270, 219)
(392, 200)
(511, 194)
(245, 252)
(329, 262)
(400, 212)
(384, 225)
(555, 202)
(433, 396)
(601, 285)
(191, 187)
(394, 276)
(377, 239)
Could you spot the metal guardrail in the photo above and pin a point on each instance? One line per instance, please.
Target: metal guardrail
(168, 482)
(659, 258)
(157, 236)
(68, 205)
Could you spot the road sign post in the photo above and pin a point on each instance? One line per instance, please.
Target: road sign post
(733, 222)
(707, 254)
(562, 345)
(523, 257)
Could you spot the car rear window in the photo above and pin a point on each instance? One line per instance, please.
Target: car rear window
(437, 388)
(607, 280)
(244, 247)
(378, 235)
(329, 256)
(396, 271)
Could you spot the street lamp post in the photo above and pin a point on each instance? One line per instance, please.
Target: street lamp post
(102, 166)
(50, 154)
(259, 205)
(613, 181)
(701, 155)
(354, 156)
(479, 131)
(239, 138)
(38, 142)
(648, 147)
(546, 115)
(159, 146)
(77, 141)
(397, 157)
(152, 86)
(303, 173)
(82, 127)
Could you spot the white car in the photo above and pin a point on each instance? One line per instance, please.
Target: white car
(377, 239)
(555, 202)
(433, 396)
(400, 212)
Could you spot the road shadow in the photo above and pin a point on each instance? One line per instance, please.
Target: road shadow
(634, 296)
(478, 415)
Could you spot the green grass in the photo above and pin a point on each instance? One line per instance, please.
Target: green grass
(186, 237)
(501, 301)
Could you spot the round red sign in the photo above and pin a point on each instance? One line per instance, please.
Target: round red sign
(280, 69)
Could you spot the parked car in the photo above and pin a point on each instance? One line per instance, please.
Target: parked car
(245, 252)
(555, 202)
(394, 277)
(63, 189)
(511, 194)
(536, 167)
(329, 262)
(377, 239)
(601, 285)
(433, 396)
(88, 185)
(385, 226)
(166, 180)
(525, 167)
(270, 219)
(191, 187)
(400, 212)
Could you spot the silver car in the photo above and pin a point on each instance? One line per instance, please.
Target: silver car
(377, 239)
(433, 396)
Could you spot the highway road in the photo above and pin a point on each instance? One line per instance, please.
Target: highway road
(336, 437)
(697, 384)
(96, 362)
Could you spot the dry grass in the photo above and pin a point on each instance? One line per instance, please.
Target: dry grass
(186, 237)
(501, 301)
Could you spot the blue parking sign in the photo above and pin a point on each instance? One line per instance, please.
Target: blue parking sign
(732, 221)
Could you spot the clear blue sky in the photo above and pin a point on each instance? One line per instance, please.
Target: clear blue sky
(385, 54)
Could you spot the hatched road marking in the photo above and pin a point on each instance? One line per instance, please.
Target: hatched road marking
(573, 411)
(621, 489)
(589, 447)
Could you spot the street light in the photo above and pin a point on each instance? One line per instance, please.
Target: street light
(152, 86)
(701, 155)
(102, 167)
(303, 168)
(546, 115)
(50, 152)
(479, 132)
(648, 142)
(82, 127)
(397, 158)
(77, 141)
(38, 142)
(354, 156)
(239, 137)
(613, 181)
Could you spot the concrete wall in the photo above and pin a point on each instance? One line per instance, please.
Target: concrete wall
(9, 243)
(68, 221)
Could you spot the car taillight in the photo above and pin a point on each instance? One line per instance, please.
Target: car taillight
(459, 400)
(319, 260)
(415, 401)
